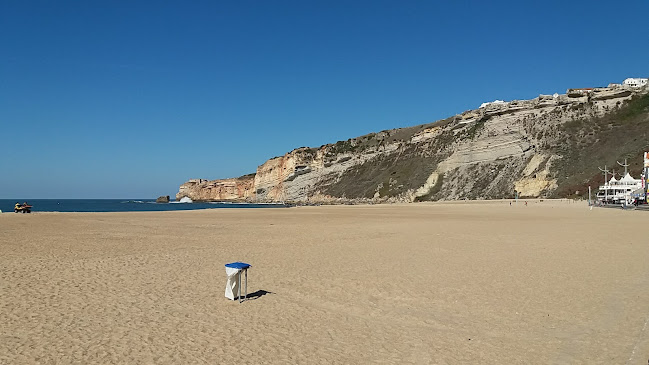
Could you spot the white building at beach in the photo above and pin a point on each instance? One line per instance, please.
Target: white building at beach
(622, 191)
(635, 82)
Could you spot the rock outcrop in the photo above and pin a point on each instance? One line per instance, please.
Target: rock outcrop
(501, 148)
(163, 199)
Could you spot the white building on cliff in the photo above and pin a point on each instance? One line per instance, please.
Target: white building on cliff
(484, 105)
(635, 82)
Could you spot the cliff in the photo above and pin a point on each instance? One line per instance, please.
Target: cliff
(545, 147)
(236, 189)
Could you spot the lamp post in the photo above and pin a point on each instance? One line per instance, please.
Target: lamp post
(645, 171)
(625, 165)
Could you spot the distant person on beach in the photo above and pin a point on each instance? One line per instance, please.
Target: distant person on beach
(525, 203)
(17, 207)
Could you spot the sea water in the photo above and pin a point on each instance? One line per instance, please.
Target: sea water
(118, 205)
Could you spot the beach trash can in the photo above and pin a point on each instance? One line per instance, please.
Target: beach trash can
(236, 271)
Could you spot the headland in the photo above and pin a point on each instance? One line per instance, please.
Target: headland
(546, 147)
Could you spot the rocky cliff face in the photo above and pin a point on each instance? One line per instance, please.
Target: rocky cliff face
(237, 189)
(535, 147)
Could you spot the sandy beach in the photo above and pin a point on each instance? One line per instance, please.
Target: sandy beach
(547, 283)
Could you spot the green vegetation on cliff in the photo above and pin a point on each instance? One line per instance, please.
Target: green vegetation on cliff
(395, 173)
(582, 144)
(588, 143)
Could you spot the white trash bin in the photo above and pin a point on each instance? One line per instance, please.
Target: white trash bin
(235, 271)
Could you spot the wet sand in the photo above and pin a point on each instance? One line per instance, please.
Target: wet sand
(547, 283)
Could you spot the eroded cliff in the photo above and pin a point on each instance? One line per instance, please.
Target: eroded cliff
(491, 152)
(236, 189)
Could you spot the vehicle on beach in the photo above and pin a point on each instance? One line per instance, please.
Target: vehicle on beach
(23, 208)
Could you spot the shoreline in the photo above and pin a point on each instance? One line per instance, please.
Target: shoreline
(535, 201)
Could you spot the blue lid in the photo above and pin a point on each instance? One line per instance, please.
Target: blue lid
(238, 265)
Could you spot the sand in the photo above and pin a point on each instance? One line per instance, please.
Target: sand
(548, 283)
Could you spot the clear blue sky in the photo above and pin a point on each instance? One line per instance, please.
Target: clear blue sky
(128, 99)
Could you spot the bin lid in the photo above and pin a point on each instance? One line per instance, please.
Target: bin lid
(238, 265)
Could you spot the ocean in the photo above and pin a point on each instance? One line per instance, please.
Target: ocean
(119, 205)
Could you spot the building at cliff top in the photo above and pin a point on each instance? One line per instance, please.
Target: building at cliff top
(484, 105)
(635, 82)
(581, 92)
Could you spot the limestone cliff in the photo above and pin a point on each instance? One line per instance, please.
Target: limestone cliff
(540, 147)
(237, 189)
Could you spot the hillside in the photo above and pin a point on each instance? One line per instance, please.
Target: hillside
(549, 146)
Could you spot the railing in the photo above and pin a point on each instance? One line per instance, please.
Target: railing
(619, 187)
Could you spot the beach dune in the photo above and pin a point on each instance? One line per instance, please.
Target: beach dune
(547, 283)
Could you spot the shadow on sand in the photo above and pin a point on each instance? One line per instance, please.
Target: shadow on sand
(256, 295)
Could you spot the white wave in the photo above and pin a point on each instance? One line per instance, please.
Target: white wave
(185, 199)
